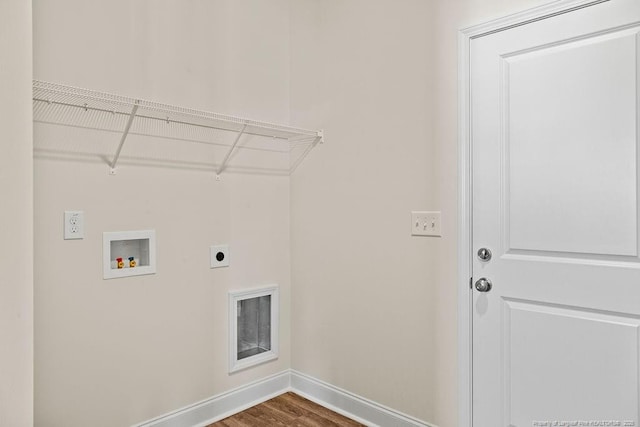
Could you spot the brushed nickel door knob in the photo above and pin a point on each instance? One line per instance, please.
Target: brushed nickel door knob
(483, 285)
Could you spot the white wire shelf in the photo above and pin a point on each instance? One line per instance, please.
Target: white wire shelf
(71, 106)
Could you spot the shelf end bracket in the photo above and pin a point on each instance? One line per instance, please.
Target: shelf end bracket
(231, 150)
(114, 162)
(318, 139)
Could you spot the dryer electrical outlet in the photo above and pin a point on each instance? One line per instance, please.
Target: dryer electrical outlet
(426, 224)
(219, 256)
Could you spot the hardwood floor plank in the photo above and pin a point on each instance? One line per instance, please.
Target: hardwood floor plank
(229, 422)
(312, 407)
(313, 420)
(288, 410)
(284, 406)
(238, 420)
(271, 417)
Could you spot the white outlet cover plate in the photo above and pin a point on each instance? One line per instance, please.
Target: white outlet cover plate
(426, 223)
(223, 250)
(73, 225)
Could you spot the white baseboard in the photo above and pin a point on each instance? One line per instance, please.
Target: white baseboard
(341, 401)
(223, 405)
(351, 405)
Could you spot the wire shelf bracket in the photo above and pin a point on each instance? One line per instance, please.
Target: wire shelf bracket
(318, 139)
(114, 162)
(226, 158)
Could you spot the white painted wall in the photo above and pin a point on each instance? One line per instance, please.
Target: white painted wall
(16, 214)
(116, 352)
(374, 310)
(363, 307)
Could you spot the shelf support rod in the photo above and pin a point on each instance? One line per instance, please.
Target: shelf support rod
(309, 148)
(233, 147)
(124, 137)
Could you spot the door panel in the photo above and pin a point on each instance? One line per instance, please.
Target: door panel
(554, 134)
(550, 374)
(571, 146)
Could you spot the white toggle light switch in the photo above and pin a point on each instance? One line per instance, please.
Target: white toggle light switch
(73, 225)
(425, 224)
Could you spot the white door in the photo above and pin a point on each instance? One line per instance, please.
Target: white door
(555, 130)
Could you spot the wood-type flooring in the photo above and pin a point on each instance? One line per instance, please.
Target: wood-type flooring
(288, 409)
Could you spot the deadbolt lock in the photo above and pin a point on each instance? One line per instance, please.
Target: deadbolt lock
(484, 254)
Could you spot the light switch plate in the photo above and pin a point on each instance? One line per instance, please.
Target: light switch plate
(426, 223)
(73, 225)
(220, 256)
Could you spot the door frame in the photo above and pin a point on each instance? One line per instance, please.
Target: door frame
(465, 184)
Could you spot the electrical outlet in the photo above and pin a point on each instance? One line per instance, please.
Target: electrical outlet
(426, 224)
(219, 256)
(73, 225)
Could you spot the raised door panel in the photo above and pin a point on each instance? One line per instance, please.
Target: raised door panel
(569, 365)
(570, 151)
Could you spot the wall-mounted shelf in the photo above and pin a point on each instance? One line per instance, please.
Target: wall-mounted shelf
(66, 105)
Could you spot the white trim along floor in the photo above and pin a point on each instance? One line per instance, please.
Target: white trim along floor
(223, 405)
